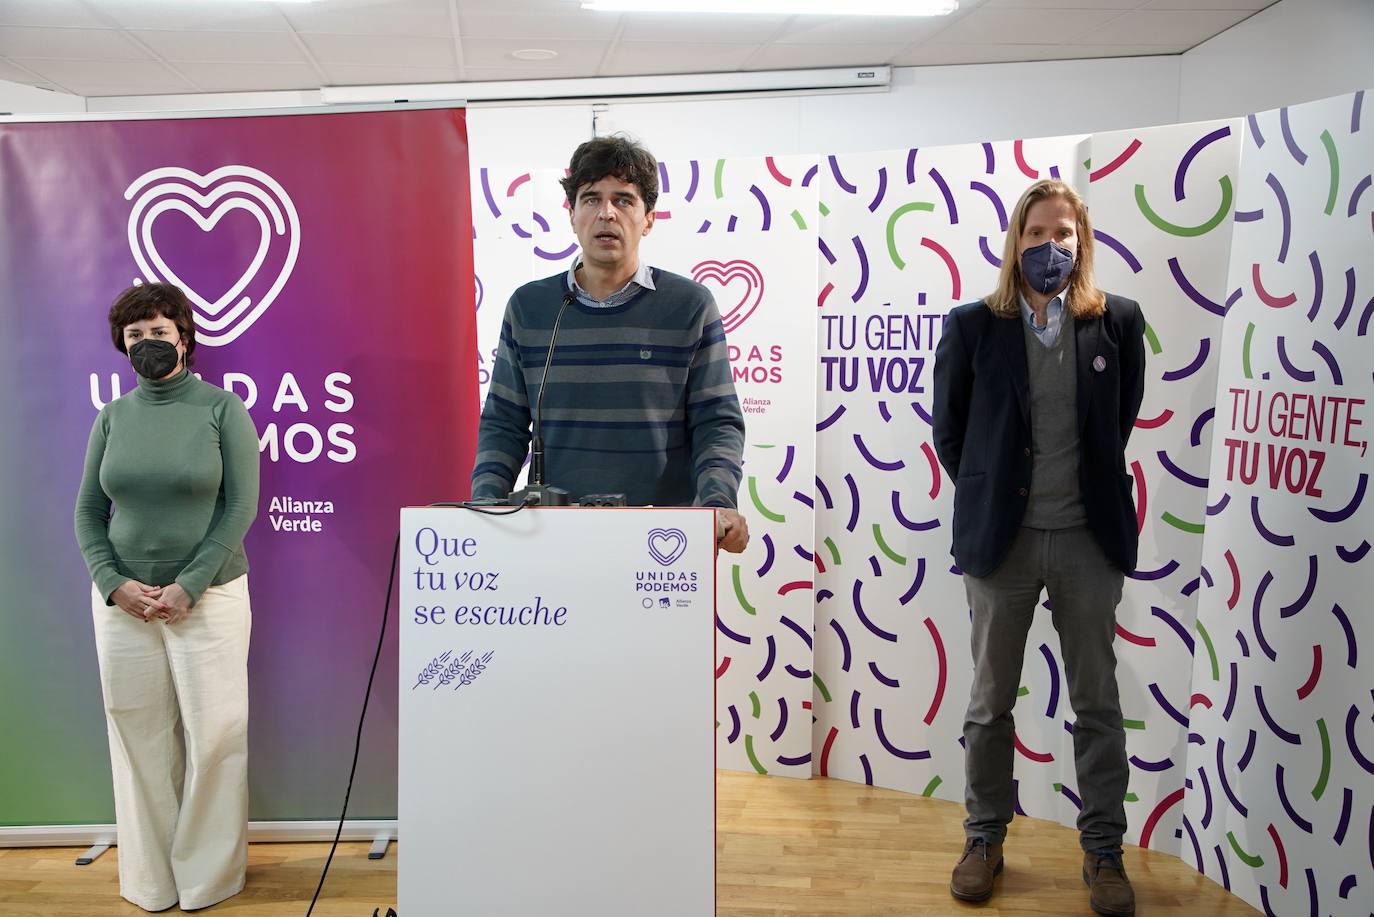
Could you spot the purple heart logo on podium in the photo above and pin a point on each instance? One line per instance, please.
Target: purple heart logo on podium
(667, 545)
(241, 193)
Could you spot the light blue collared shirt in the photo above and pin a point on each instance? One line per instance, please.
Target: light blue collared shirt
(642, 280)
(1054, 319)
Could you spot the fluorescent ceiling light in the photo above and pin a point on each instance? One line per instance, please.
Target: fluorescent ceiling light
(781, 7)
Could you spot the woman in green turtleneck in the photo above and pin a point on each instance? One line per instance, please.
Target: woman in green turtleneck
(177, 459)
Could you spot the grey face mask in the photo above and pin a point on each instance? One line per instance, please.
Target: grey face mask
(1046, 266)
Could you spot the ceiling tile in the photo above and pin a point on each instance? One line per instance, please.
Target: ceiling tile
(372, 17)
(1051, 7)
(495, 53)
(221, 46)
(31, 83)
(552, 70)
(804, 57)
(523, 6)
(16, 74)
(367, 74)
(244, 16)
(110, 78)
(259, 77)
(1183, 27)
(1003, 26)
(685, 27)
(928, 55)
(13, 74)
(532, 26)
(380, 50)
(245, 45)
(862, 29)
(657, 57)
(69, 44)
(1252, 5)
(69, 14)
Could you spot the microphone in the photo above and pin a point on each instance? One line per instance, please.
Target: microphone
(537, 492)
(537, 450)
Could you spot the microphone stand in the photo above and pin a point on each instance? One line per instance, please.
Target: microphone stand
(537, 492)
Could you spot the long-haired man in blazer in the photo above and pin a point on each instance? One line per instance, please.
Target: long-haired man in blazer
(1036, 390)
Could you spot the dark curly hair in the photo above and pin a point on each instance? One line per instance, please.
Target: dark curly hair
(152, 300)
(617, 156)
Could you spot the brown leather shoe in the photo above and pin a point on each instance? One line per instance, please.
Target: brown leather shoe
(1111, 891)
(973, 874)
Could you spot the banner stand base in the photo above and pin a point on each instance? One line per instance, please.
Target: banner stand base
(93, 854)
(259, 832)
(379, 844)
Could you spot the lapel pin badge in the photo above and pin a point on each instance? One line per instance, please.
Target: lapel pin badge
(1099, 363)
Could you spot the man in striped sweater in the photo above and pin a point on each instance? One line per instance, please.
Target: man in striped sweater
(640, 396)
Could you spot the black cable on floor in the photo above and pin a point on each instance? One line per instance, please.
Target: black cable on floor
(358, 742)
(381, 636)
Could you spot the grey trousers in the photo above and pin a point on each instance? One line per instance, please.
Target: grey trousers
(1084, 589)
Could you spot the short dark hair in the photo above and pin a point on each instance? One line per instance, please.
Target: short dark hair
(617, 156)
(153, 300)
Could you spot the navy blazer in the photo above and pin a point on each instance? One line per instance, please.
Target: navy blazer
(983, 427)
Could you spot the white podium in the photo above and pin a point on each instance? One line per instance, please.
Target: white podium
(557, 713)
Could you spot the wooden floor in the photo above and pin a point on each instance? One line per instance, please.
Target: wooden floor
(818, 848)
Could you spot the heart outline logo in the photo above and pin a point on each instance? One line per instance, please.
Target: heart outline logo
(723, 272)
(667, 545)
(205, 200)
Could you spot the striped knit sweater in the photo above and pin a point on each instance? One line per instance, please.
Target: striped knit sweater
(641, 399)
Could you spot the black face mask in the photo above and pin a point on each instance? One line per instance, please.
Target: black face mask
(153, 359)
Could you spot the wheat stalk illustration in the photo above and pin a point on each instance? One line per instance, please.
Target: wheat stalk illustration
(435, 667)
(452, 671)
(474, 669)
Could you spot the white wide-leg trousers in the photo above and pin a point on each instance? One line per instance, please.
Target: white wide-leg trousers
(176, 706)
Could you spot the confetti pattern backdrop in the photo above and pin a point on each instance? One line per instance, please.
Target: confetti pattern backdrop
(1279, 801)
(915, 233)
(1161, 203)
(747, 230)
(1248, 718)
(905, 236)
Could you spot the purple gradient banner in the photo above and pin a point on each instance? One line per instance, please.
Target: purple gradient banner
(329, 258)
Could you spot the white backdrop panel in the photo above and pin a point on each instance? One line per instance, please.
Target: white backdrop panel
(1282, 772)
(747, 230)
(1161, 202)
(906, 236)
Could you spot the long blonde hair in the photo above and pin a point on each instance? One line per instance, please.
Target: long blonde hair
(1082, 295)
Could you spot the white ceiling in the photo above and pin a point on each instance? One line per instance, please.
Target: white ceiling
(152, 47)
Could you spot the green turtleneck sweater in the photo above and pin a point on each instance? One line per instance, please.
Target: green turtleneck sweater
(178, 459)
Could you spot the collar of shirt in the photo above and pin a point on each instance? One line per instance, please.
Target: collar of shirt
(1054, 319)
(642, 280)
